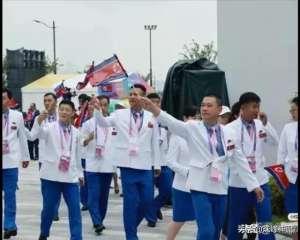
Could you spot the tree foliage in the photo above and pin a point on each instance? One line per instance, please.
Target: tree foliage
(50, 65)
(195, 51)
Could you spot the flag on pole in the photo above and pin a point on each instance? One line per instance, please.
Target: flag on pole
(116, 89)
(106, 71)
(81, 85)
(82, 115)
(277, 171)
(60, 89)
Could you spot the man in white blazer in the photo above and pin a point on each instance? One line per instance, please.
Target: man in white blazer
(288, 157)
(61, 170)
(14, 151)
(252, 132)
(50, 104)
(164, 181)
(210, 146)
(137, 148)
(99, 167)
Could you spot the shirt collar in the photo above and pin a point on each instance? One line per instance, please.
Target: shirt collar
(251, 123)
(64, 126)
(137, 112)
(208, 127)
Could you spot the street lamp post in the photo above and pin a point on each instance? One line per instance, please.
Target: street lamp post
(150, 28)
(54, 45)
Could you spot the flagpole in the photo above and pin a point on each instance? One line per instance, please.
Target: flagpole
(121, 65)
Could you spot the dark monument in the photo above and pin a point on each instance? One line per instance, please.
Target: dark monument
(24, 66)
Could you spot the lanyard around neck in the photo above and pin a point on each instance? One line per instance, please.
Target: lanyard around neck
(105, 133)
(242, 138)
(136, 128)
(213, 150)
(62, 137)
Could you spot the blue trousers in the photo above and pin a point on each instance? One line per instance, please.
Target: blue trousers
(241, 201)
(9, 181)
(291, 198)
(164, 185)
(51, 192)
(84, 189)
(58, 203)
(210, 213)
(98, 185)
(138, 194)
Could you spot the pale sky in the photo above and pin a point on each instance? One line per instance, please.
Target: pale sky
(94, 30)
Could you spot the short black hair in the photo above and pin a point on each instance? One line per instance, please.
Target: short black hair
(295, 100)
(216, 96)
(88, 98)
(68, 102)
(140, 86)
(153, 96)
(100, 97)
(249, 97)
(235, 109)
(82, 97)
(190, 111)
(51, 94)
(8, 92)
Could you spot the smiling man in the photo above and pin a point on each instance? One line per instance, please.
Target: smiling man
(61, 169)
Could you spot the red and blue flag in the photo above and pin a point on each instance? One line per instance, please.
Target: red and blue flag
(277, 171)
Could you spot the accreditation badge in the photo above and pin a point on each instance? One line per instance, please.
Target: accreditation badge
(99, 151)
(133, 147)
(64, 163)
(215, 175)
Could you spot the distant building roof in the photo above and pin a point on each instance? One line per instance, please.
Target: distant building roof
(48, 81)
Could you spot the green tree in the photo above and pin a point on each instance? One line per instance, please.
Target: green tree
(50, 65)
(195, 51)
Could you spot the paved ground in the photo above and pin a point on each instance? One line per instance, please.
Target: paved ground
(29, 207)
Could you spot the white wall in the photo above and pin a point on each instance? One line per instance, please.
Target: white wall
(258, 50)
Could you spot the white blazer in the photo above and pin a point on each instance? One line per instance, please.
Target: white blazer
(163, 145)
(264, 135)
(49, 170)
(202, 162)
(288, 150)
(15, 135)
(147, 141)
(32, 135)
(93, 164)
(178, 160)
